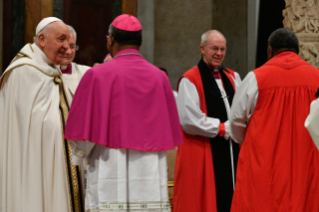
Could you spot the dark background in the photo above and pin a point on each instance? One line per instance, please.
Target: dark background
(89, 18)
(270, 19)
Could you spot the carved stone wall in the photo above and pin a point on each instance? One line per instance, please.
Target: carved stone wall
(302, 17)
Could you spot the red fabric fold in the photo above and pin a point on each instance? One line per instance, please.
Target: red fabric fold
(278, 165)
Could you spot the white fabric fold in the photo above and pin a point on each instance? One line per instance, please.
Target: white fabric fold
(312, 122)
(243, 106)
(71, 81)
(33, 174)
(125, 178)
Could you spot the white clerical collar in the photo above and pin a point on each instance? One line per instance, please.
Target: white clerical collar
(216, 70)
(63, 67)
(38, 52)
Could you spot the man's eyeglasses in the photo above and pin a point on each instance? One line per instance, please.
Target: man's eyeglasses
(216, 49)
(74, 47)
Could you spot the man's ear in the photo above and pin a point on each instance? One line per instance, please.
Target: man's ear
(111, 40)
(202, 48)
(269, 52)
(41, 38)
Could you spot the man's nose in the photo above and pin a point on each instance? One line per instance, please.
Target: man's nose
(66, 45)
(67, 49)
(219, 52)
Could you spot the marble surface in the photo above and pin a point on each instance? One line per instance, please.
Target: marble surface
(173, 30)
(58, 9)
(145, 14)
(231, 20)
(178, 28)
(116, 8)
(18, 26)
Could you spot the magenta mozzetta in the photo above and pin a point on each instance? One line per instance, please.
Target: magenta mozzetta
(111, 91)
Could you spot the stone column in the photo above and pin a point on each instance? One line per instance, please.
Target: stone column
(35, 11)
(116, 8)
(18, 21)
(252, 30)
(145, 13)
(58, 9)
(231, 20)
(178, 27)
(302, 17)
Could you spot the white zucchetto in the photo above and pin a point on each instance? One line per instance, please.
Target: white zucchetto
(44, 23)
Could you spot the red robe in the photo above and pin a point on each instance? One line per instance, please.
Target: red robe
(194, 182)
(278, 165)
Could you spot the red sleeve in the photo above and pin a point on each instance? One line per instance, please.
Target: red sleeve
(221, 129)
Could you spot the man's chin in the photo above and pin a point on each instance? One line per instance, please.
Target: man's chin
(65, 62)
(57, 62)
(216, 65)
(59, 59)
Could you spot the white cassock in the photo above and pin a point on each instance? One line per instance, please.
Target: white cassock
(36, 170)
(243, 106)
(123, 179)
(175, 94)
(71, 82)
(312, 122)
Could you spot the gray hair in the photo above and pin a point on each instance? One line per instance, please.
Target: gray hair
(204, 38)
(72, 30)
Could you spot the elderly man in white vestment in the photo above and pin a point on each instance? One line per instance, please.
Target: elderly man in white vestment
(72, 72)
(36, 170)
(71, 75)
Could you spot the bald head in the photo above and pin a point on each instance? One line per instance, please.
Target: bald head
(211, 34)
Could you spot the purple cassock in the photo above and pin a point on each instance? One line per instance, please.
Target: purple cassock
(125, 103)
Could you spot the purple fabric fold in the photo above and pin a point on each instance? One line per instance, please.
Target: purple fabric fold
(125, 103)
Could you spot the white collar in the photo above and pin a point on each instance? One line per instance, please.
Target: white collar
(40, 56)
(64, 67)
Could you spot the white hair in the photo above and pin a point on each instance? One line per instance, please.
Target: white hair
(72, 30)
(205, 36)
